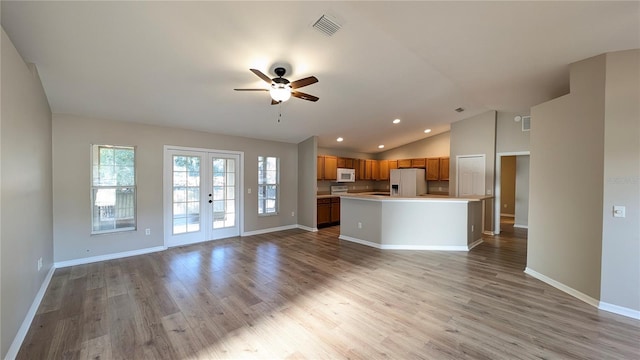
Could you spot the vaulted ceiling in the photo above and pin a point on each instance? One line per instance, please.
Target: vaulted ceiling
(177, 63)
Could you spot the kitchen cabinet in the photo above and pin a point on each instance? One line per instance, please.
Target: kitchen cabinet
(418, 163)
(320, 170)
(444, 169)
(375, 170)
(361, 169)
(345, 163)
(393, 164)
(324, 211)
(384, 169)
(404, 164)
(335, 210)
(327, 168)
(437, 169)
(368, 170)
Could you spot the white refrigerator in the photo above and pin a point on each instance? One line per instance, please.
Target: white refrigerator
(408, 182)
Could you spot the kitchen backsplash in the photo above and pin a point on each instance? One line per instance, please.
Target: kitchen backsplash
(361, 185)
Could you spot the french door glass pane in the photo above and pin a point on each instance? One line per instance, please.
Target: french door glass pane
(223, 189)
(186, 194)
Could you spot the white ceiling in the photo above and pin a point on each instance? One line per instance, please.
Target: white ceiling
(177, 63)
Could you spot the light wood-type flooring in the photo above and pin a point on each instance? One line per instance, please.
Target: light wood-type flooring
(302, 295)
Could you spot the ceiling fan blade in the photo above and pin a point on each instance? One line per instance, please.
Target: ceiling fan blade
(261, 75)
(304, 82)
(250, 89)
(303, 96)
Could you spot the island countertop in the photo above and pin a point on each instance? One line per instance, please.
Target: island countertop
(421, 198)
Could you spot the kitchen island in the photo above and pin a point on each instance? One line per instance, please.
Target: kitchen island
(412, 223)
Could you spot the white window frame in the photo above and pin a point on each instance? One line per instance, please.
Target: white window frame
(262, 185)
(94, 188)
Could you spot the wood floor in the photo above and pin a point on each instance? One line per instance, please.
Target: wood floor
(301, 295)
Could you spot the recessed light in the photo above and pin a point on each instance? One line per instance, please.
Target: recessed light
(396, 121)
(339, 139)
(380, 146)
(426, 131)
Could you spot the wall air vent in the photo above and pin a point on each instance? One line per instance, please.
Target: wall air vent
(327, 25)
(526, 123)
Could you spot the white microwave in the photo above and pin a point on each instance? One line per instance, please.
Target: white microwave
(346, 175)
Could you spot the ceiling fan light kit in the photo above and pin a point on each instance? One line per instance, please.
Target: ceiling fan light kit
(281, 89)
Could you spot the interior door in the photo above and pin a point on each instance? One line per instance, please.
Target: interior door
(471, 175)
(202, 196)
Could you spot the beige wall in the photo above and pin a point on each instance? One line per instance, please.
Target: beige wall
(72, 137)
(621, 236)
(26, 195)
(522, 191)
(307, 167)
(475, 136)
(508, 185)
(509, 134)
(566, 179)
(433, 146)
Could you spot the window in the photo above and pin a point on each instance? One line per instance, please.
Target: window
(113, 188)
(268, 183)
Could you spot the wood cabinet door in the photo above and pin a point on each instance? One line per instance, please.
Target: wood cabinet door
(324, 211)
(368, 169)
(320, 170)
(418, 163)
(330, 168)
(433, 169)
(348, 163)
(375, 170)
(393, 164)
(444, 169)
(361, 169)
(335, 210)
(384, 170)
(404, 164)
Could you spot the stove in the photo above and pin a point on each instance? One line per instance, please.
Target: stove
(339, 189)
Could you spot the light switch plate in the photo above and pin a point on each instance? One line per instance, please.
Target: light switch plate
(619, 211)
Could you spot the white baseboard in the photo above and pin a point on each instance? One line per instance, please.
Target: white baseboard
(403, 247)
(620, 310)
(521, 226)
(92, 259)
(562, 287)
(508, 215)
(307, 228)
(270, 230)
(28, 319)
(474, 244)
(487, 232)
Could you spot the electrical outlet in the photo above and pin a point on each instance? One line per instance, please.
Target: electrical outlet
(147, 231)
(472, 227)
(359, 225)
(39, 264)
(619, 211)
(505, 206)
(293, 213)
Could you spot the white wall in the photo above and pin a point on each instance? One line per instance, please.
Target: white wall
(522, 191)
(621, 236)
(26, 194)
(566, 168)
(72, 136)
(509, 134)
(432, 146)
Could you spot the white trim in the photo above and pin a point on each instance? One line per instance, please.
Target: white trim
(28, 318)
(307, 228)
(497, 191)
(92, 259)
(620, 310)
(521, 226)
(474, 244)
(562, 287)
(405, 247)
(508, 215)
(490, 233)
(269, 230)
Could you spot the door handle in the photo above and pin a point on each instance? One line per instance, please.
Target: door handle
(210, 201)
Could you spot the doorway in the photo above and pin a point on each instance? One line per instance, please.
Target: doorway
(202, 197)
(519, 187)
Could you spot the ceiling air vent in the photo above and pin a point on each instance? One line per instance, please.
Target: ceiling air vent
(459, 109)
(526, 123)
(327, 25)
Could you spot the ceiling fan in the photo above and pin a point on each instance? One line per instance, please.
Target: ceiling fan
(281, 89)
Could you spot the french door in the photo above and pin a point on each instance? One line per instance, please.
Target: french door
(201, 195)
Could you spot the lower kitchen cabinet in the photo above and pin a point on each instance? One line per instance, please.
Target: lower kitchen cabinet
(328, 211)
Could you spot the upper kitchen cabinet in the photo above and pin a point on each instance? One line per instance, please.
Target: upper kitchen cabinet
(419, 163)
(404, 164)
(346, 163)
(444, 169)
(437, 169)
(384, 170)
(327, 168)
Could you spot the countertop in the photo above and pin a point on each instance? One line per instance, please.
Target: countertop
(424, 197)
(327, 196)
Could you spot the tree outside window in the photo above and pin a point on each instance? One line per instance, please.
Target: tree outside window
(268, 185)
